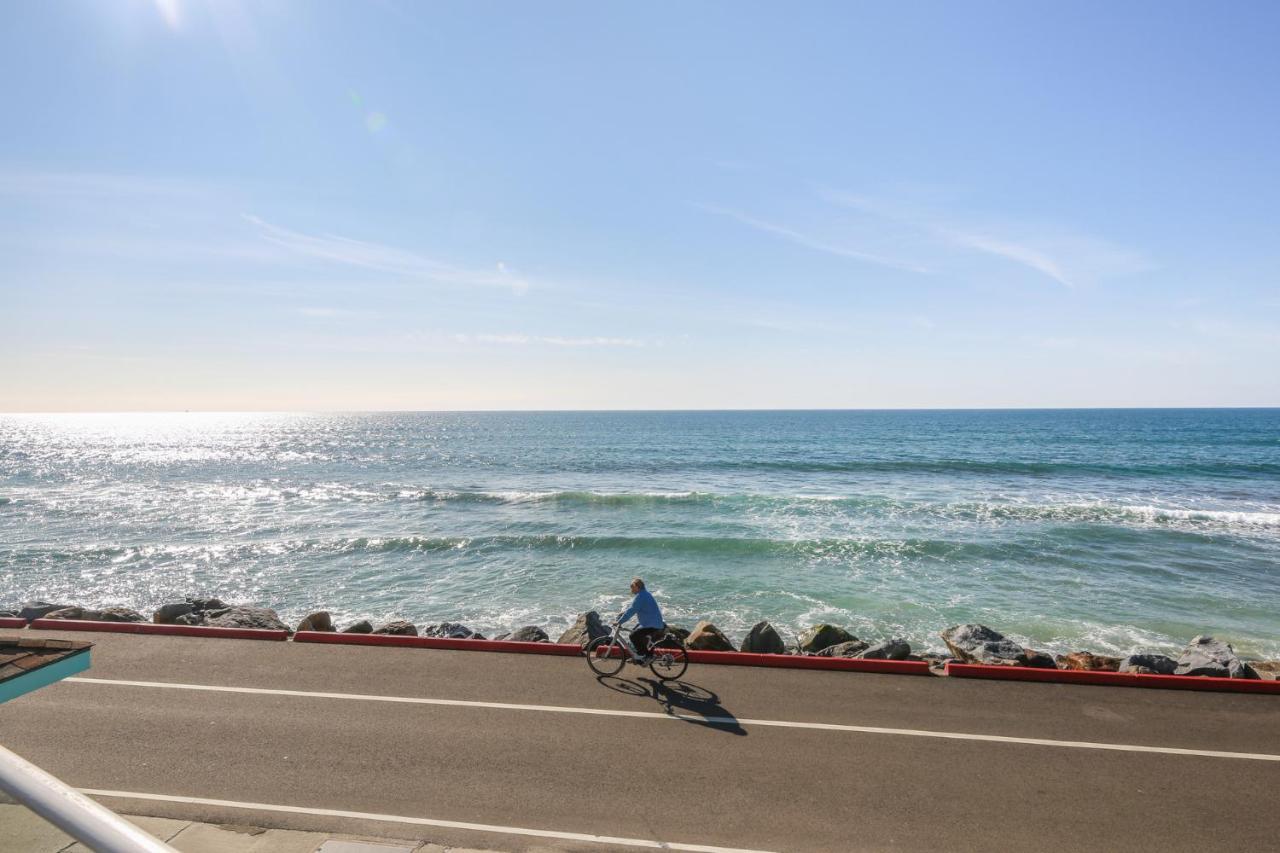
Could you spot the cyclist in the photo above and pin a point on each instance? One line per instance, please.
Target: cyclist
(649, 618)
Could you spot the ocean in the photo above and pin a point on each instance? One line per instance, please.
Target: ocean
(1107, 530)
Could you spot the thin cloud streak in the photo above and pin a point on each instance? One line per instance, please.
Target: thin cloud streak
(549, 340)
(813, 243)
(1024, 255)
(382, 258)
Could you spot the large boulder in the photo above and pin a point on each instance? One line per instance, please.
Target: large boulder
(1039, 660)
(1088, 662)
(1207, 656)
(321, 620)
(708, 638)
(980, 644)
(1268, 669)
(168, 614)
(823, 636)
(364, 626)
(244, 617)
(588, 626)
(38, 609)
(106, 614)
(451, 631)
(529, 634)
(203, 604)
(1148, 664)
(851, 649)
(398, 628)
(894, 649)
(764, 640)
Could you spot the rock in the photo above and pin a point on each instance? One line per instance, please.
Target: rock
(167, 614)
(851, 649)
(588, 626)
(1268, 669)
(980, 644)
(823, 636)
(202, 604)
(364, 626)
(1039, 660)
(189, 619)
(708, 638)
(1148, 664)
(451, 631)
(8, 613)
(106, 614)
(894, 649)
(1207, 656)
(529, 634)
(321, 620)
(681, 633)
(1088, 662)
(244, 617)
(399, 628)
(763, 639)
(37, 609)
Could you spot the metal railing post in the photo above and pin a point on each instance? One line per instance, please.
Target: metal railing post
(94, 825)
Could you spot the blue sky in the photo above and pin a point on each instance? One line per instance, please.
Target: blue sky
(404, 205)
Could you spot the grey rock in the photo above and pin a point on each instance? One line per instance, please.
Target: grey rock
(894, 649)
(37, 609)
(1150, 664)
(1039, 660)
(1207, 656)
(529, 634)
(106, 614)
(189, 619)
(763, 639)
(820, 637)
(201, 604)
(321, 620)
(707, 637)
(364, 626)
(167, 614)
(451, 631)
(588, 626)
(849, 649)
(399, 628)
(245, 617)
(980, 644)
(681, 634)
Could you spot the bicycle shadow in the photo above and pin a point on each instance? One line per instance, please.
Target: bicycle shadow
(680, 700)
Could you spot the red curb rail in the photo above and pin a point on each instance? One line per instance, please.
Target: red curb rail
(1115, 679)
(899, 667)
(403, 641)
(152, 628)
(12, 622)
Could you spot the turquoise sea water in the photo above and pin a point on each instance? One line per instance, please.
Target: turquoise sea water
(1106, 530)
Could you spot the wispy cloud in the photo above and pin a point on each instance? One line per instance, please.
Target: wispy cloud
(550, 340)
(812, 242)
(1062, 255)
(386, 259)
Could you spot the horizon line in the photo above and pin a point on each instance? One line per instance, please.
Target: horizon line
(321, 411)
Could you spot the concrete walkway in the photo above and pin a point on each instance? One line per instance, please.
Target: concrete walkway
(24, 832)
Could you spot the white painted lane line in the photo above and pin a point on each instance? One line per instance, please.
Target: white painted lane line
(654, 715)
(425, 821)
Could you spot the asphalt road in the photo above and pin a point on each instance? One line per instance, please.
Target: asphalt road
(748, 765)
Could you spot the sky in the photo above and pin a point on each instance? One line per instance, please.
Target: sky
(278, 205)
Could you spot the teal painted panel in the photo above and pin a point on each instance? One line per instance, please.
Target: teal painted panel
(45, 675)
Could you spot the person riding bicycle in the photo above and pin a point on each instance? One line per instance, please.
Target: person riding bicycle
(650, 625)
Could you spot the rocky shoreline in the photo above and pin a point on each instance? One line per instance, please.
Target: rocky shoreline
(1203, 656)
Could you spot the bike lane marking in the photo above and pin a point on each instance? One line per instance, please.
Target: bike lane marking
(689, 718)
(424, 821)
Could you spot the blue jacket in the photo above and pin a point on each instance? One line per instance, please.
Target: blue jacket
(645, 609)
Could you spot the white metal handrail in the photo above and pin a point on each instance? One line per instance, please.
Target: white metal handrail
(90, 823)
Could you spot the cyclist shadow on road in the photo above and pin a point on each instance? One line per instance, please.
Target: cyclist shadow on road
(681, 700)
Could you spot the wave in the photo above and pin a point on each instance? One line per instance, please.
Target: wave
(983, 467)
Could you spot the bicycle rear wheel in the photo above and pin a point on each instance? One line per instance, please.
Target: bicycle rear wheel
(670, 659)
(606, 657)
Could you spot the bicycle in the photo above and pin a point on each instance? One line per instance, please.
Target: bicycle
(668, 657)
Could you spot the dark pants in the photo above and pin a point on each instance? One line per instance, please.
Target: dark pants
(644, 638)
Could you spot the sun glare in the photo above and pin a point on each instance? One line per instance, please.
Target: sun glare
(170, 11)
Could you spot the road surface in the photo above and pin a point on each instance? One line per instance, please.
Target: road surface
(522, 752)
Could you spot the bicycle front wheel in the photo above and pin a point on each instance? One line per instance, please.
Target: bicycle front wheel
(669, 661)
(606, 657)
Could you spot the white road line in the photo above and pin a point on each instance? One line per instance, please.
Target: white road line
(425, 821)
(653, 715)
